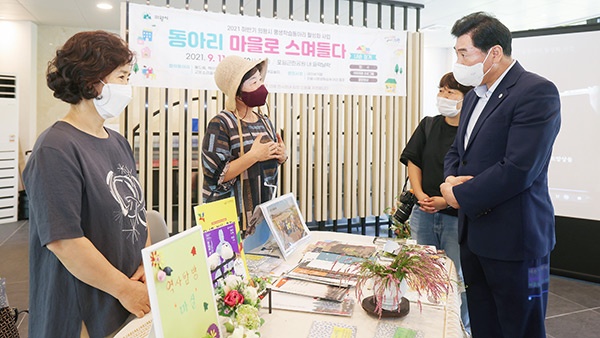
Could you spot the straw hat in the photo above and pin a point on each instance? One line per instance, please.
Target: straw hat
(229, 74)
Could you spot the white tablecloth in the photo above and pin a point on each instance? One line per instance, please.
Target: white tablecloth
(437, 321)
(434, 321)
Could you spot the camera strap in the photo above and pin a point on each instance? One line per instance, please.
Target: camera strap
(241, 135)
(405, 183)
(428, 124)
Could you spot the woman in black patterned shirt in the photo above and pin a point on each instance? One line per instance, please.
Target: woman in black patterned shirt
(250, 172)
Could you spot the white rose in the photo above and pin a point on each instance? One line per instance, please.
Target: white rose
(232, 281)
(251, 294)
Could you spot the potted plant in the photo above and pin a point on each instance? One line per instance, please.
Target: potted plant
(412, 266)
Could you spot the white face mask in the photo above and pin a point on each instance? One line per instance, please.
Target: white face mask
(447, 107)
(113, 99)
(470, 75)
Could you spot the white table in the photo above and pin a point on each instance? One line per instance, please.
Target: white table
(437, 321)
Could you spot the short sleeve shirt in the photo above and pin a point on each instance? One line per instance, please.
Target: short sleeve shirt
(428, 151)
(81, 186)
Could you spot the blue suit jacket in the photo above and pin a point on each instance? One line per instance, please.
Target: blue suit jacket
(505, 210)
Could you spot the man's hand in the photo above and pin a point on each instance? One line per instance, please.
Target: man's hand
(456, 180)
(448, 193)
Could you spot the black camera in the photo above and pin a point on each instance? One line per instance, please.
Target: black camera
(407, 202)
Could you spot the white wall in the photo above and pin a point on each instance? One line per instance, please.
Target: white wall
(437, 62)
(18, 57)
(25, 52)
(50, 109)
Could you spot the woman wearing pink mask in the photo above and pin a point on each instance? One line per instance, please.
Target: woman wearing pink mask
(248, 172)
(432, 221)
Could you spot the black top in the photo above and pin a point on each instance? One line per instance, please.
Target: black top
(428, 151)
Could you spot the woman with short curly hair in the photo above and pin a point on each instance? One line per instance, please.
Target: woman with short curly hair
(87, 211)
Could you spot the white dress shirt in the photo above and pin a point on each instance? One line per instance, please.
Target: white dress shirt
(484, 94)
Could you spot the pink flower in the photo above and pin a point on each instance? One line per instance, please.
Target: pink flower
(233, 298)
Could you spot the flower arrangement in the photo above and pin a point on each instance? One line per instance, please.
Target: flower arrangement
(421, 269)
(238, 302)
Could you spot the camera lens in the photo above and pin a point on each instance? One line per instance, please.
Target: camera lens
(402, 213)
(407, 202)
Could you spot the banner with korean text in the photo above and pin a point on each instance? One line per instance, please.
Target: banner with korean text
(178, 48)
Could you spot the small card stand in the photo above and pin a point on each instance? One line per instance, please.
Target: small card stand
(267, 293)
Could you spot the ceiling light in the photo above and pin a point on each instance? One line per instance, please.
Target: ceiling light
(104, 5)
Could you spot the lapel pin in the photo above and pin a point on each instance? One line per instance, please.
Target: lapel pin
(500, 96)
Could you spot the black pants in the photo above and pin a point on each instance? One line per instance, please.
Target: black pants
(507, 299)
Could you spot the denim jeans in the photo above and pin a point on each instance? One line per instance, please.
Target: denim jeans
(441, 230)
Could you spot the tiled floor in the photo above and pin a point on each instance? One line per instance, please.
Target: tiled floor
(573, 310)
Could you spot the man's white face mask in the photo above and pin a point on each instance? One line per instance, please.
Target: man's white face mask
(470, 75)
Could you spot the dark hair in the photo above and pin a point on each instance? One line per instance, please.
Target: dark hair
(449, 81)
(246, 77)
(84, 60)
(486, 31)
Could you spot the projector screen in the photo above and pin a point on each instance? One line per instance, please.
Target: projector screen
(569, 58)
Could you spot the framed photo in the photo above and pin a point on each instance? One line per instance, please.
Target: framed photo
(222, 239)
(180, 286)
(285, 221)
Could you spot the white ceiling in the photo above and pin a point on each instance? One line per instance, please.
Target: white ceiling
(436, 18)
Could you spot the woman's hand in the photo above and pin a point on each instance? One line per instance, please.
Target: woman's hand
(263, 151)
(81, 258)
(139, 274)
(425, 202)
(433, 204)
(135, 298)
(281, 153)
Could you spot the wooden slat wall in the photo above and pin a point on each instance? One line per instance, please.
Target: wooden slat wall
(376, 152)
(343, 150)
(334, 160)
(348, 150)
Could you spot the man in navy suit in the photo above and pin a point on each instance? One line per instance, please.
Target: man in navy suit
(497, 176)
